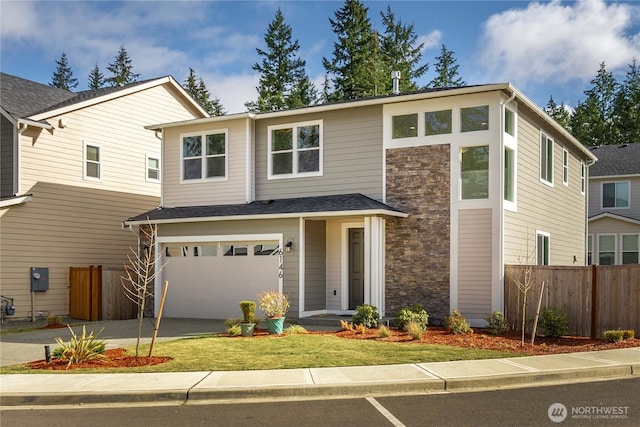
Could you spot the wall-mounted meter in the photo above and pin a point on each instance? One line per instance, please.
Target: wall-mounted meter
(39, 279)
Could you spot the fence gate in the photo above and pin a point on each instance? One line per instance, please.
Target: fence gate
(85, 293)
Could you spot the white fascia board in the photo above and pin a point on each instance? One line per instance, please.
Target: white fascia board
(34, 123)
(614, 216)
(613, 177)
(190, 122)
(18, 200)
(220, 237)
(373, 212)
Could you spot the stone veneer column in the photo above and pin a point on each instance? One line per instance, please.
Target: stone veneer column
(417, 248)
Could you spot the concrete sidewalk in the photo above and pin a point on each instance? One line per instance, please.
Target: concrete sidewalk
(191, 387)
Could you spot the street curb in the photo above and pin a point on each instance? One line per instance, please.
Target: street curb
(79, 398)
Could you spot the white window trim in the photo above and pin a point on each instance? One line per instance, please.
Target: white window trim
(615, 207)
(146, 166)
(548, 236)
(294, 150)
(203, 156)
(489, 190)
(583, 178)
(565, 167)
(622, 251)
(615, 247)
(590, 240)
(544, 180)
(99, 162)
(508, 204)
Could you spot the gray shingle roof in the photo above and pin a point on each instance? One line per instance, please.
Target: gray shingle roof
(21, 97)
(300, 205)
(614, 160)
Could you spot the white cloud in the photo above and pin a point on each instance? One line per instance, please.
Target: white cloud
(431, 40)
(232, 90)
(555, 42)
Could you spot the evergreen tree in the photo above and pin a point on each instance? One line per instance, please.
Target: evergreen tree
(197, 88)
(121, 70)
(627, 106)
(96, 79)
(559, 113)
(593, 121)
(356, 64)
(283, 81)
(446, 71)
(400, 53)
(63, 75)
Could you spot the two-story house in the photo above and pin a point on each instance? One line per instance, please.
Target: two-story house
(417, 198)
(72, 166)
(614, 205)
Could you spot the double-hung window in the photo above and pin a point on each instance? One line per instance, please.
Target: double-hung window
(153, 168)
(542, 248)
(607, 249)
(92, 162)
(546, 159)
(630, 248)
(204, 156)
(615, 194)
(295, 150)
(583, 178)
(474, 168)
(565, 166)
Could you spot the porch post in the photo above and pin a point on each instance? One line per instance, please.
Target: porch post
(375, 232)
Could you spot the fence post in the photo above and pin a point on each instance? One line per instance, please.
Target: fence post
(594, 301)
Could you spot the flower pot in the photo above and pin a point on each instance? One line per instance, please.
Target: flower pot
(247, 329)
(275, 325)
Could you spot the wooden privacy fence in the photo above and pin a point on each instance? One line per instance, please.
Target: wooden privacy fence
(597, 298)
(97, 294)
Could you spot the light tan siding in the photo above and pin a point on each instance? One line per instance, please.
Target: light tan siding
(352, 149)
(230, 191)
(475, 241)
(558, 210)
(315, 266)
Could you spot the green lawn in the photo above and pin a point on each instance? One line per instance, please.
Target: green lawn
(213, 353)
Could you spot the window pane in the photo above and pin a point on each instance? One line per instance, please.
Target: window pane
(309, 136)
(630, 258)
(93, 153)
(215, 144)
(281, 139)
(191, 146)
(437, 122)
(405, 126)
(509, 122)
(474, 118)
(607, 243)
(630, 243)
(153, 163)
(543, 249)
(231, 250)
(309, 161)
(565, 166)
(93, 170)
(205, 250)
(282, 163)
(608, 195)
(546, 158)
(215, 166)
(266, 249)
(622, 194)
(153, 174)
(607, 258)
(475, 172)
(192, 169)
(509, 175)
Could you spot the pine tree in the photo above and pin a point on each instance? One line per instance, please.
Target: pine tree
(593, 121)
(356, 64)
(627, 106)
(63, 75)
(400, 53)
(283, 81)
(446, 71)
(197, 88)
(559, 113)
(96, 79)
(121, 70)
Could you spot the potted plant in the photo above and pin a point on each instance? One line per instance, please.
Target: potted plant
(248, 317)
(274, 305)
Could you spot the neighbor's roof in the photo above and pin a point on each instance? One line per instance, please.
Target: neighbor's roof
(344, 204)
(616, 160)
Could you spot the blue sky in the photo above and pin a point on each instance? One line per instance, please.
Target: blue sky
(544, 48)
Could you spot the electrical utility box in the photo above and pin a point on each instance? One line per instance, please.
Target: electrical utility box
(39, 279)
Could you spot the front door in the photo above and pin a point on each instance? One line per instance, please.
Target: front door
(356, 267)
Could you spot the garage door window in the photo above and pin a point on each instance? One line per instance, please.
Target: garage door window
(235, 250)
(266, 249)
(176, 251)
(205, 250)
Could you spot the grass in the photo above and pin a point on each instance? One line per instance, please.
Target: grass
(213, 353)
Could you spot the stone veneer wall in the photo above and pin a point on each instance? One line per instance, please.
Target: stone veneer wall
(417, 248)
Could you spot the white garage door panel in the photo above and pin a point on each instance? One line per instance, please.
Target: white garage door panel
(211, 287)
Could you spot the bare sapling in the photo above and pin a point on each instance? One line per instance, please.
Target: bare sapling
(523, 279)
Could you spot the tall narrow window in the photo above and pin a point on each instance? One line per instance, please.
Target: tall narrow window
(615, 194)
(92, 161)
(630, 248)
(474, 172)
(583, 178)
(607, 249)
(542, 248)
(589, 249)
(565, 167)
(509, 175)
(509, 122)
(546, 159)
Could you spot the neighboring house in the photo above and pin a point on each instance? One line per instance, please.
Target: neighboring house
(417, 198)
(614, 205)
(72, 166)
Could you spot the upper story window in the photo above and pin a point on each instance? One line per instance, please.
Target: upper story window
(295, 150)
(474, 118)
(437, 122)
(509, 122)
(153, 168)
(474, 182)
(542, 248)
(92, 162)
(546, 159)
(509, 175)
(615, 194)
(583, 178)
(404, 126)
(204, 156)
(565, 166)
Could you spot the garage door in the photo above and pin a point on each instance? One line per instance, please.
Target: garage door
(207, 280)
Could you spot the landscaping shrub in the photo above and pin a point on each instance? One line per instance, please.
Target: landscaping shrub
(628, 334)
(613, 335)
(555, 322)
(234, 330)
(346, 326)
(80, 347)
(366, 315)
(295, 330)
(414, 313)
(228, 323)
(248, 311)
(457, 324)
(383, 332)
(497, 324)
(54, 320)
(414, 329)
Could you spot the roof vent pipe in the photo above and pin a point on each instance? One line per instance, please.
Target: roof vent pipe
(395, 76)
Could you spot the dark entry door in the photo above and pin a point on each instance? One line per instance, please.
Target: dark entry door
(356, 267)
